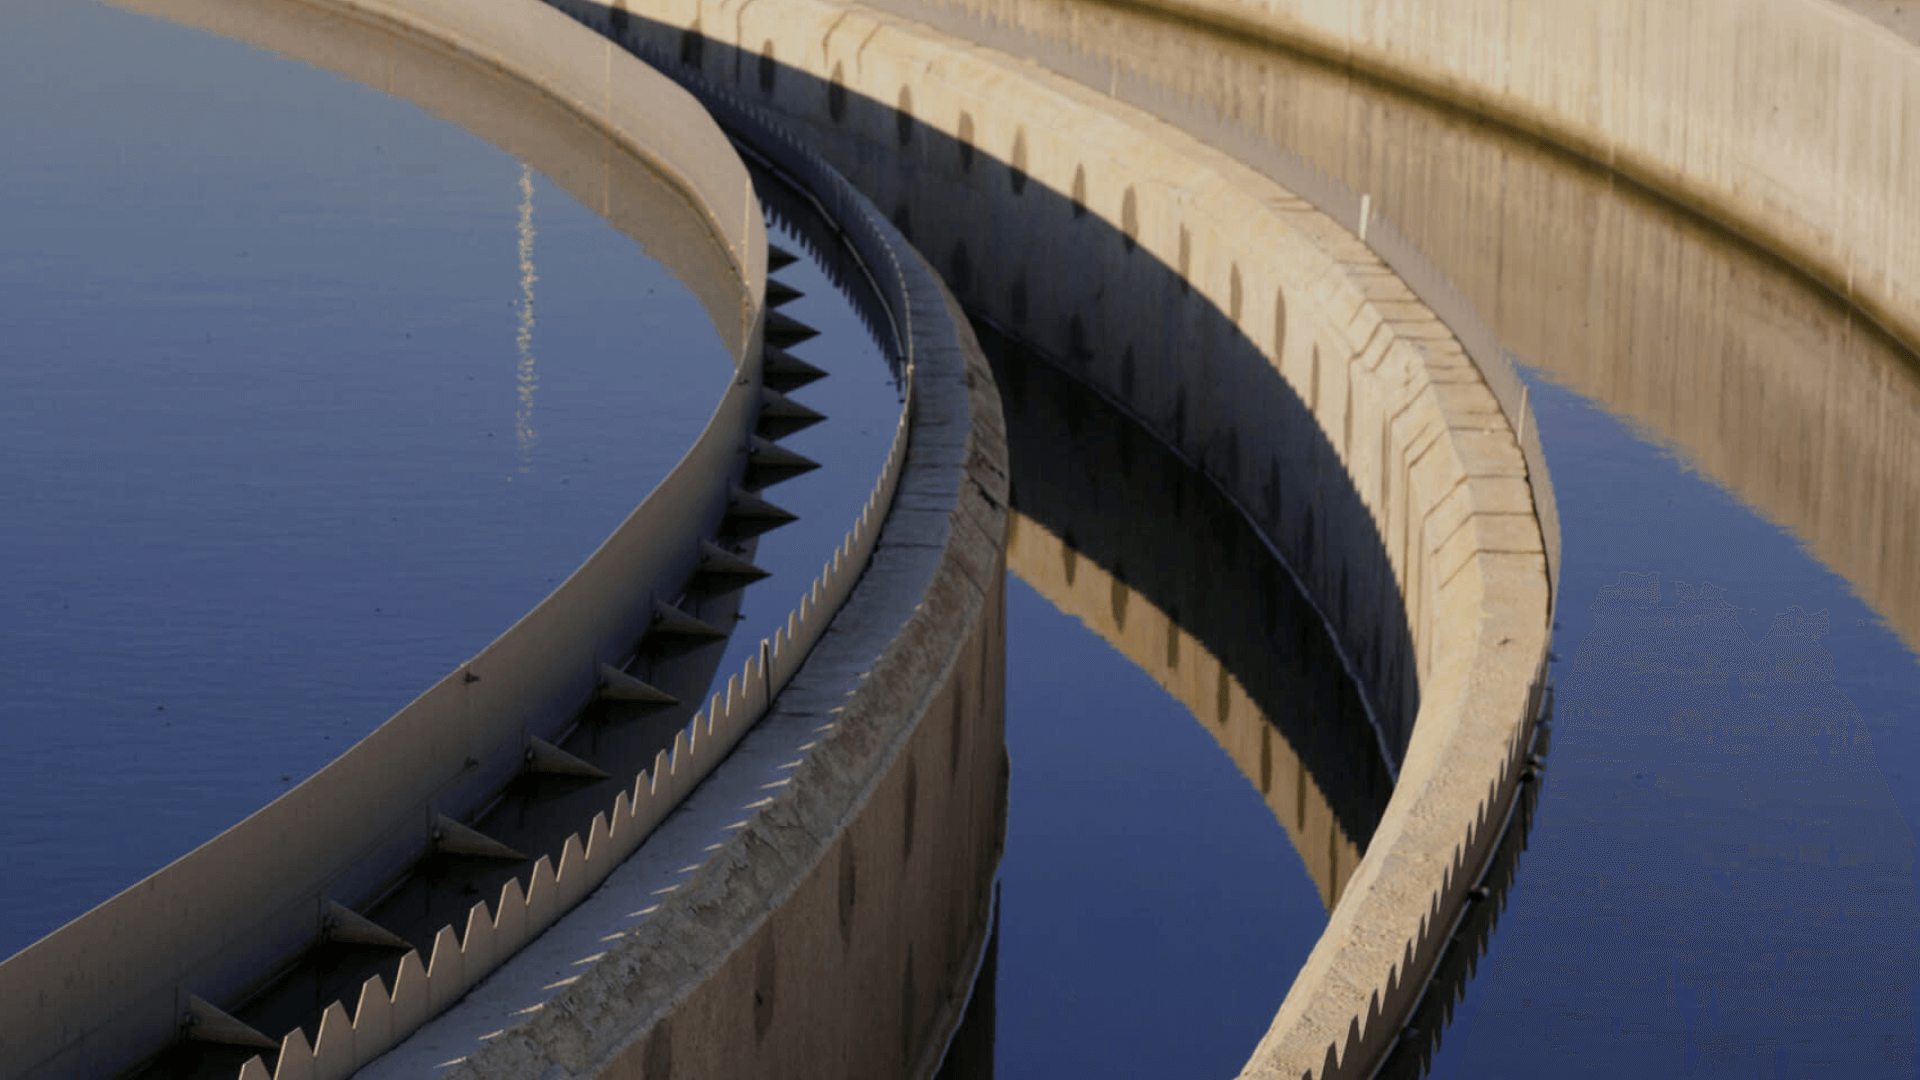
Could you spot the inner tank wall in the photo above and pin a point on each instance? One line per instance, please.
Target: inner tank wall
(1264, 343)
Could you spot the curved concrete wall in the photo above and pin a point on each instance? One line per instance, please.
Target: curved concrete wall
(1649, 310)
(1109, 525)
(1182, 664)
(1822, 200)
(836, 928)
(1434, 514)
(1269, 347)
(1785, 120)
(597, 164)
(114, 985)
(1644, 306)
(633, 838)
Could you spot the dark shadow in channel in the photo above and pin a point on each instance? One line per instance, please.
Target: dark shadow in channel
(1003, 241)
(1167, 537)
(1210, 475)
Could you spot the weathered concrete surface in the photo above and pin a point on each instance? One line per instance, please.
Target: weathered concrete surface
(1786, 120)
(1724, 350)
(1269, 347)
(114, 986)
(836, 931)
(1899, 16)
(1402, 498)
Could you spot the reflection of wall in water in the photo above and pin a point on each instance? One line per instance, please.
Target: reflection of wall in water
(1768, 383)
(1268, 347)
(1197, 678)
(1066, 260)
(970, 1052)
(1109, 526)
(1724, 878)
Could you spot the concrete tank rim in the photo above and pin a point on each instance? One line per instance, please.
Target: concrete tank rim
(694, 178)
(1493, 676)
(945, 546)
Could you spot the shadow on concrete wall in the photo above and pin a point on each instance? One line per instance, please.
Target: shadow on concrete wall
(970, 1052)
(1047, 270)
(1702, 338)
(1165, 568)
(1255, 667)
(537, 812)
(792, 209)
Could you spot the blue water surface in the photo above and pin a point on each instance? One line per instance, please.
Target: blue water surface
(1153, 912)
(1720, 878)
(309, 395)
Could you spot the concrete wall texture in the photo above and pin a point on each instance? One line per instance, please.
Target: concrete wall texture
(906, 796)
(1786, 120)
(831, 670)
(1294, 370)
(110, 987)
(1286, 362)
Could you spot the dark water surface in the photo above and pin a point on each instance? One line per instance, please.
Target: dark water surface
(276, 454)
(1151, 909)
(310, 395)
(862, 401)
(1189, 781)
(1720, 879)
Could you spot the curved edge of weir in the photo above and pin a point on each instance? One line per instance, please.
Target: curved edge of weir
(1665, 95)
(941, 499)
(839, 900)
(1062, 217)
(106, 991)
(1420, 548)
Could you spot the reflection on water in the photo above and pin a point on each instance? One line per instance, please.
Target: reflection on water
(970, 1052)
(1721, 877)
(861, 397)
(1429, 1030)
(1741, 839)
(525, 378)
(253, 454)
(1751, 401)
(1151, 913)
(1770, 385)
(1113, 528)
(1151, 918)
